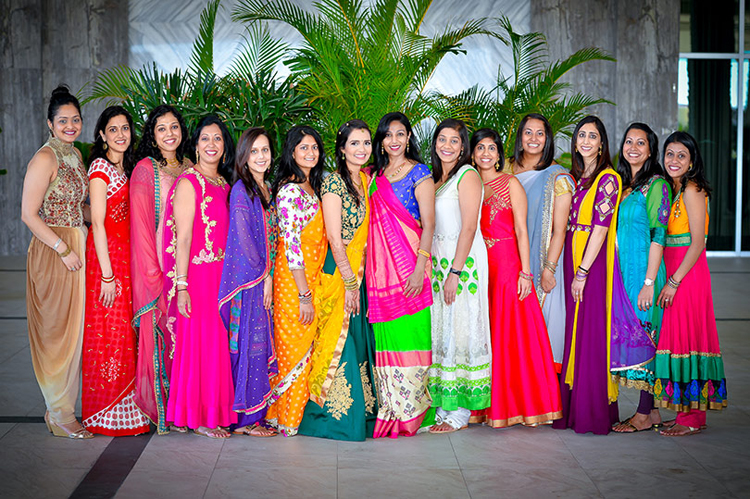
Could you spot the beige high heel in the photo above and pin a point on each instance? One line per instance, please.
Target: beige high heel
(59, 431)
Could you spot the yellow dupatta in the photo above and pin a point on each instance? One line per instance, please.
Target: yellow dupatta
(580, 238)
(333, 323)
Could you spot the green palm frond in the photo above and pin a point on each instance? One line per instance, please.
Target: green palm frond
(202, 54)
(260, 53)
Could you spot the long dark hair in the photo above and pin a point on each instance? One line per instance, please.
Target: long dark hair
(341, 137)
(603, 161)
(227, 159)
(696, 174)
(650, 168)
(381, 158)
(147, 147)
(463, 158)
(289, 171)
(242, 171)
(60, 97)
(97, 150)
(548, 153)
(484, 133)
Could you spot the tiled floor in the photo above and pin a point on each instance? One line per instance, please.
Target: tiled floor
(479, 462)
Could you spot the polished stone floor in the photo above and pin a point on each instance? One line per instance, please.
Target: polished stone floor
(478, 462)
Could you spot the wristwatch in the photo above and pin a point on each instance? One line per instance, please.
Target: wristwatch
(648, 282)
(454, 271)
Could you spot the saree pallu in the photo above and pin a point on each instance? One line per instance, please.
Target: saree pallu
(401, 325)
(540, 192)
(349, 405)
(293, 341)
(148, 192)
(247, 263)
(54, 306)
(689, 366)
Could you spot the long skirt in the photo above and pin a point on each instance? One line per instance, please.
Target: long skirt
(689, 367)
(54, 308)
(351, 405)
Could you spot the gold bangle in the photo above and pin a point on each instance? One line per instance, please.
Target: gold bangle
(66, 252)
(423, 253)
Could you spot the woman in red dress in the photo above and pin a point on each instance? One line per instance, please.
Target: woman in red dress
(109, 341)
(524, 383)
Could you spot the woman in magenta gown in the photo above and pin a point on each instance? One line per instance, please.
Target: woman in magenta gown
(197, 221)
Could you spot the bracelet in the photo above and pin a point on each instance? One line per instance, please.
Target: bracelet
(305, 298)
(181, 276)
(672, 283)
(57, 243)
(581, 276)
(424, 253)
(181, 290)
(524, 275)
(183, 283)
(65, 253)
(454, 271)
(108, 279)
(351, 283)
(552, 267)
(582, 269)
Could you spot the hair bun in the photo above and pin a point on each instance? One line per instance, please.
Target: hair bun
(61, 90)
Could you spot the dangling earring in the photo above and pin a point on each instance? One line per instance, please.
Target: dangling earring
(462, 152)
(50, 132)
(690, 167)
(197, 156)
(407, 147)
(497, 166)
(576, 148)
(153, 143)
(600, 150)
(472, 163)
(382, 150)
(224, 158)
(104, 147)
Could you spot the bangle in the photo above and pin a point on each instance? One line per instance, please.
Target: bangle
(183, 283)
(581, 276)
(423, 253)
(57, 243)
(552, 267)
(527, 276)
(181, 276)
(582, 269)
(65, 253)
(181, 290)
(672, 283)
(305, 298)
(108, 279)
(454, 271)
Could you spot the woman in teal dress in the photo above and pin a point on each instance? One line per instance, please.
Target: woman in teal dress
(641, 235)
(343, 405)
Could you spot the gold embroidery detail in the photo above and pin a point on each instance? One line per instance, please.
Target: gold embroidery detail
(340, 395)
(367, 388)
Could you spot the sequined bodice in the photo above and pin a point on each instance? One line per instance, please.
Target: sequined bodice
(63, 202)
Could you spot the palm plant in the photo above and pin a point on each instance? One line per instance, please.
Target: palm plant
(251, 94)
(360, 61)
(535, 86)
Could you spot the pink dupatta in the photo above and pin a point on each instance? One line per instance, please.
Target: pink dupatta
(392, 246)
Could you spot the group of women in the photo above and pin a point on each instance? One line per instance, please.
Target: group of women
(386, 298)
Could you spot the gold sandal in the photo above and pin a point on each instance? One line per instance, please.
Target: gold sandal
(59, 431)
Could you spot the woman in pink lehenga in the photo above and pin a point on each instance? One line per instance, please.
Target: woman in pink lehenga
(162, 159)
(197, 221)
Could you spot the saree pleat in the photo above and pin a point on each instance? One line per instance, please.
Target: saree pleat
(293, 340)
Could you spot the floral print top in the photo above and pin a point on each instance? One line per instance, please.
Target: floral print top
(295, 209)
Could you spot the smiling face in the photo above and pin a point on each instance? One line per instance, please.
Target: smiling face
(260, 156)
(533, 137)
(210, 146)
(67, 123)
(635, 148)
(677, 160)
(167, 134)
(486, 155)
(395, 139)
(117, 134)
(588, 142)
(448, 146)
(306, 154)
(357, 149)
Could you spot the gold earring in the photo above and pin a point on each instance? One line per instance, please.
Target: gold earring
(51, 133)
(197, 156)
(472, 163)
(576, 148)
(497, 166)
(690, 167)
(105, 146)
(600, 150)
(407, 147)
(382, 150)
(153, 143)
(224, 157)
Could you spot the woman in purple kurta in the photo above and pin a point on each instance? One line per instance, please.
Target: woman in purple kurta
(601, 333)
(246, 284)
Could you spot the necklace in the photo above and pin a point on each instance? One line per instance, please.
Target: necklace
(398, 170)
(677, 211)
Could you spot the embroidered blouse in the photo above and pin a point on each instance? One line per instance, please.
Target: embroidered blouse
(404, 188)
(605, 202)
(62, 205)
(352, 215)
(295, 209)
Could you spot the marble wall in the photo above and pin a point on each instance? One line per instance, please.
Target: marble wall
(44, 43)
